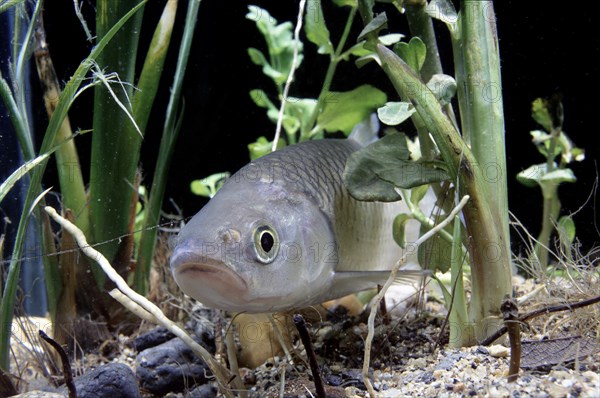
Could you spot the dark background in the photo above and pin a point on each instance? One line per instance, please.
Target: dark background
(544, 49)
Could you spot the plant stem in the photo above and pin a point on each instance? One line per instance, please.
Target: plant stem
(483, 95)
(70, 177)
(549, 217)
(335, 59)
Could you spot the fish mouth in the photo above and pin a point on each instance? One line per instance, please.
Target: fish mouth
(207, 280)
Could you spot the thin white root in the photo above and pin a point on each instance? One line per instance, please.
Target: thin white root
(388, 283)
(290, 78)
(133, 306)
(222, 375)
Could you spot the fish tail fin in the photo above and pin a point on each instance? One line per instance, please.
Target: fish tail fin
(365, 132)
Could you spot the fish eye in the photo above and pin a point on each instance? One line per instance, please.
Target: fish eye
(266, 244)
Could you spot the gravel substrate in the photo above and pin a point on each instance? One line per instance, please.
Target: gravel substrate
(448, 373)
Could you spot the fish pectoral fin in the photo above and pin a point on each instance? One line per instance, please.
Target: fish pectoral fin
(347, 282)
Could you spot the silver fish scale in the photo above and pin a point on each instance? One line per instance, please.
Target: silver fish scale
(316, 166)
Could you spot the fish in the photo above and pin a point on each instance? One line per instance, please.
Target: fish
(284, 233)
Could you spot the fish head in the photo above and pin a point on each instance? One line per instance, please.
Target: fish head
(257, 246)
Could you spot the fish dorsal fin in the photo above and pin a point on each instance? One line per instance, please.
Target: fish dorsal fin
(365, 132)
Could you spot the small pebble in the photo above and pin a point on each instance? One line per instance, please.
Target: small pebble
(499, 351)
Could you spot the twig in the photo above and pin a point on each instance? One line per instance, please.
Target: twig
(388, 283)
(310, 353)
(510, 311)
(64, 358)
(383, 312)
(288, 83)
(542, 311)
(222, 374)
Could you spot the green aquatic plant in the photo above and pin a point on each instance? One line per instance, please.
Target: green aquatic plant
(552, 142)
(330, 111)
(209, 186)
(122, 106)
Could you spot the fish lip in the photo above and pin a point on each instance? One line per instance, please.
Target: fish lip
(216, 276)
(204, 268)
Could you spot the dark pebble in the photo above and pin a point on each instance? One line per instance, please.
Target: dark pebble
(427, 377)
(169, 367)
(113, 380)
(334, 380)
(205, 391)
(152, 338)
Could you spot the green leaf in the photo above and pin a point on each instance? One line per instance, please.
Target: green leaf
(301, 109)
(373, 173)
(261, 99)
(541, 114)
(315, 28)
(262, 147)
(566, 230)
(444, 11)
(531, 176)
(394, 113)
(399, 227)
(198, 188)
(209, 186)
(351, 3)
(373, 27)
(344, 110)
(365, 7)
(390, 39)
(443, 87)
(538, 175)
(362, 61)
(558, 176)
(280, 43)
(413, 53)
(16, 175)
(358, 50)
(258, 58)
